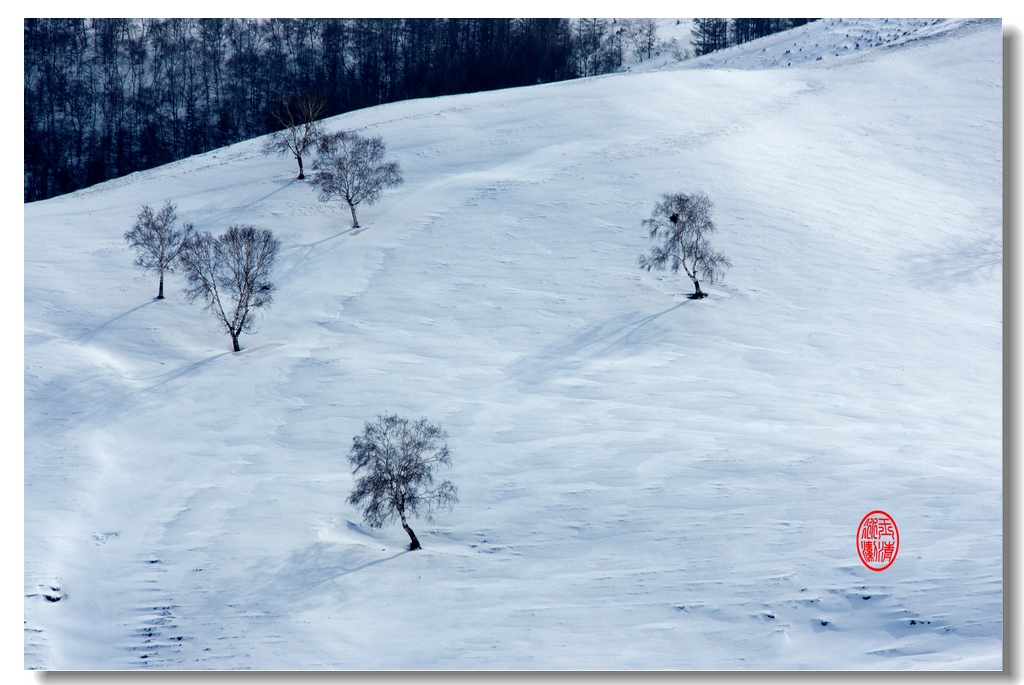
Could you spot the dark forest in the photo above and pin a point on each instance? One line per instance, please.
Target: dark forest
(107, 97)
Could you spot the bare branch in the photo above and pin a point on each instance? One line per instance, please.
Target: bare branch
(682, 223)
(353, 167)
(398, 459)
(155, 241)
(231, 274)
(300, 128)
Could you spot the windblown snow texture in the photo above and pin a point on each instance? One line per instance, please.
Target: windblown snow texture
(645, 481)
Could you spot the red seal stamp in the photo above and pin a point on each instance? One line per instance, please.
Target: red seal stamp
(878, 540)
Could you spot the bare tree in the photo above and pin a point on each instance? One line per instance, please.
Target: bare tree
(398, 459)
(682, 222)
(231, 274)
(648, 35)
(632, 30)
(300, 129)
(155, 241)
(708, 35)
(643, 34)
(352, 167)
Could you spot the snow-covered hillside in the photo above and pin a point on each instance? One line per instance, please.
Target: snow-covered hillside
(646, 481)
(822, 40)
(826, 40)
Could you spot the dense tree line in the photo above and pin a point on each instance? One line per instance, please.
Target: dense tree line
(715, 34)
(106, 97)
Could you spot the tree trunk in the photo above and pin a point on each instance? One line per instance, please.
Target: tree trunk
(301, 174)
(234, 341)
(160, 295)
(698, 293)
(414, 543)
(355, 221)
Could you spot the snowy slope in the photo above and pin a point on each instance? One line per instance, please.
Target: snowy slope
(823, 40)
(645, 481)
(827, 40)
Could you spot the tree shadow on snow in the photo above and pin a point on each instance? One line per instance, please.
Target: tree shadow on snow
(272, 193)
(89, 335)
(164, 379)
(300, 254)
(624, 334)
(310, 575)
(961, 261)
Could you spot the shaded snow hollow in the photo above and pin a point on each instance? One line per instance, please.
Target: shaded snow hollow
(645, 481)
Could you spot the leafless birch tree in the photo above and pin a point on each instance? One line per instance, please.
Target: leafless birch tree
(398, 459)
(352, 167)
(682, 222)
(301, 129)
(231, 274)
(155, 241)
